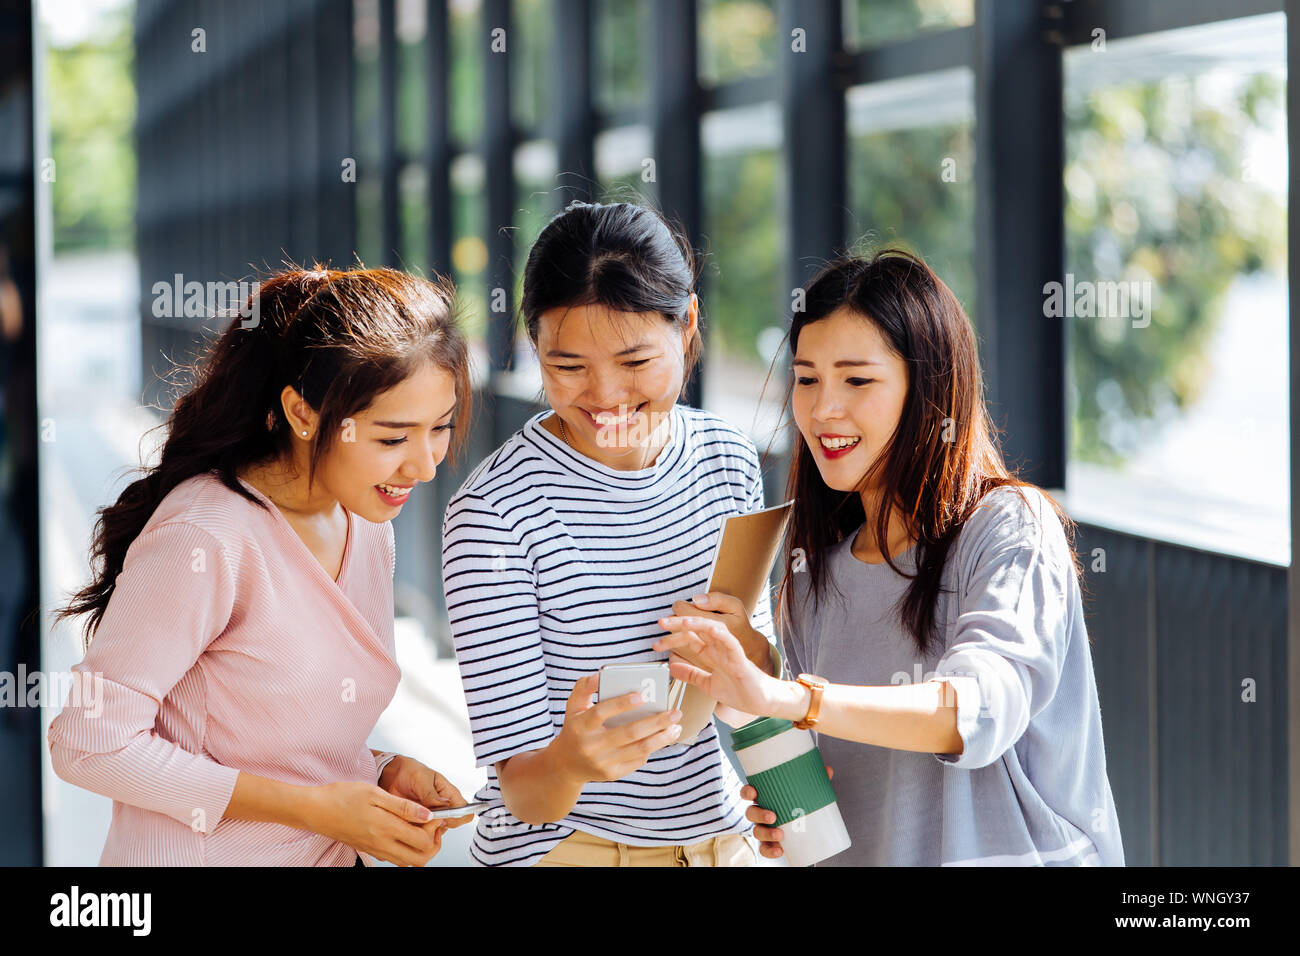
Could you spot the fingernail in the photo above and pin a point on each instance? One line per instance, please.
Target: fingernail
(701, 600)
(675, 731)
(675, 715)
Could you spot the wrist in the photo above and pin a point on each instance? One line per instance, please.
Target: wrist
(309, 809)
(758, 650)
(389, 769)
(558, 766)
(792, 701)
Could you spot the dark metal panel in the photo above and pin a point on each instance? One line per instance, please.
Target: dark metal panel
(1020, 221)
(1293, 286)
(499, 186)
(812, 112)
(749, 91)
(390, 221)
(575, 125)
(438, 159)
(923, 53)
(1221, 759)
(675, 130)
(1125, 18)
(1117, 599)
(21, 739)
(333, 103)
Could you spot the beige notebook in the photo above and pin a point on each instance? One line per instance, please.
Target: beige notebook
(742, 561)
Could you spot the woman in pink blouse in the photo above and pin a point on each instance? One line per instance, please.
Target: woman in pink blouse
(242, 605)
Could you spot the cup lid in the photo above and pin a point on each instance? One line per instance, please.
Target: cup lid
(758, 730)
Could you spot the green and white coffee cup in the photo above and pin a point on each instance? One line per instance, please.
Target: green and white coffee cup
(784, 765)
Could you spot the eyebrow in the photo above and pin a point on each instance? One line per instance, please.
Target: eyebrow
(555, 353)
(842, 363)
(414, 424)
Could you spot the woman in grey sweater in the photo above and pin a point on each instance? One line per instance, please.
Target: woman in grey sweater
(931, 596)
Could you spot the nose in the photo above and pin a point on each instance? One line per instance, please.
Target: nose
(607, 389)
(826, 405)
(422, 465)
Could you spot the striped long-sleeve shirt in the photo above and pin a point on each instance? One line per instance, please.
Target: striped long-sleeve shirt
(226, 646)
(553, 565)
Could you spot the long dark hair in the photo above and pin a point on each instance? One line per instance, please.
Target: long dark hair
(338, 337)
(943, 456)
(624, 256)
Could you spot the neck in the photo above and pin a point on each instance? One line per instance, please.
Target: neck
(899, 537)
(286, 485)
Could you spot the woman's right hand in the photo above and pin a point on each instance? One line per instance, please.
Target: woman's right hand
(374, 821)
(588, 750)
(769, 838)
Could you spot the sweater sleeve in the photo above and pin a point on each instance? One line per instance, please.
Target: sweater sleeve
(174, 596)
(1011, 635)
(492, 608)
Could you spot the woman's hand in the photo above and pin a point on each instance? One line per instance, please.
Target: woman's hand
(588, 750)
(769, 838)
(729, 609)
(407, 777)
(371, 820)
(725, 673)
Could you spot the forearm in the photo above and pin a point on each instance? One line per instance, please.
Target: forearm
(272, 801)
(918, 717)
(536, 788)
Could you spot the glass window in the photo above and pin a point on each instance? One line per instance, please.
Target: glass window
(469, 254)
(470, 42)
(365, 112)
(413, 206)
(1176, 286)
(743, 304)
(621, 49)
(621, 165)
(412, 78)
(911, 172)
(872, 22)
(532, 61)
(737, 39)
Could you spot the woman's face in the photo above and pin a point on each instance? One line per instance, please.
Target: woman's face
(392, 446)
(612, 377)
(849, 391)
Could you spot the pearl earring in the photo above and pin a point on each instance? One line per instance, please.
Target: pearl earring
(304, 434)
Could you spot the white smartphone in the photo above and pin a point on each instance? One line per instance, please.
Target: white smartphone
(451, 813)
(649, 680)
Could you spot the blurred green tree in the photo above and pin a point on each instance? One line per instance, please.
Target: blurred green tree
(91, 121)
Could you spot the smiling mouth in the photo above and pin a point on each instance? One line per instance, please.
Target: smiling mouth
(606, 419)
(394, 491)
(838, 443)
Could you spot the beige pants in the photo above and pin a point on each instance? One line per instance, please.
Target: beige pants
(584, 849)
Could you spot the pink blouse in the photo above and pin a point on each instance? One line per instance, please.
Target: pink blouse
(226, 646)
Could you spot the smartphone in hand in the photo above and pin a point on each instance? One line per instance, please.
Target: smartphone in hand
(649, 680)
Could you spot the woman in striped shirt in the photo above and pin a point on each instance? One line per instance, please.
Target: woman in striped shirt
(564, 547)
(242, 610)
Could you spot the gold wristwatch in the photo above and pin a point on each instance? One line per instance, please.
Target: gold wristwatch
(816, 685)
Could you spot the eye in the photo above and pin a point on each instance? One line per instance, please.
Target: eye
(444, 428)
(636, 364)
(391, 441)
(567, 368)
(803, 380)
(860, 381)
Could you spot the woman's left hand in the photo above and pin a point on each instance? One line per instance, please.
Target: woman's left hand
(730, 610)
(726, 674)
(407, 777)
